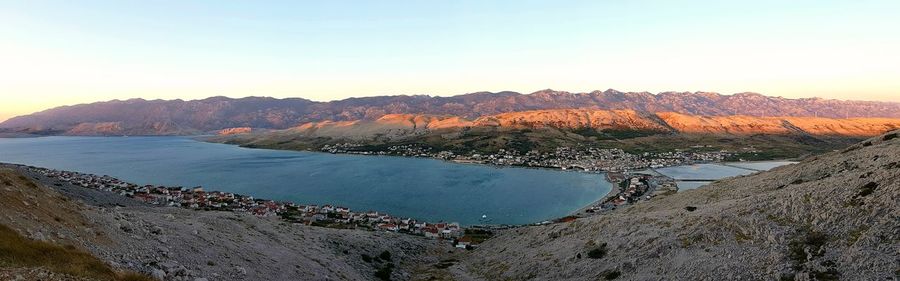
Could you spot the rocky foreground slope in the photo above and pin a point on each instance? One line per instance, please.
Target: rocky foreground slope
(180, 244)
(180, 117)
(832, 217)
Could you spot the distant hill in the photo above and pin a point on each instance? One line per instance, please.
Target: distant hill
(402, 125)
(546, 130)
(179, 117)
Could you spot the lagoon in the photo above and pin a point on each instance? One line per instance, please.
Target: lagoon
(424, 189)
(697, 175)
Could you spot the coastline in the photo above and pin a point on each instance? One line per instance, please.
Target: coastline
(589, 186)
(104, 190)
(580, 211)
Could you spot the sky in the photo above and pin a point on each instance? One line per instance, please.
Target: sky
(63, 52)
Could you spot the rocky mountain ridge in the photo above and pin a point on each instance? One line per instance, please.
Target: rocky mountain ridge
(180, 117)
(399, 125)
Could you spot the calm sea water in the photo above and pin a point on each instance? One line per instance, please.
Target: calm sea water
(409, 187)
(715, 171)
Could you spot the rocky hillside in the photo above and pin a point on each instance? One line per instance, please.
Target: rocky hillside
(832, 217)
(179, 244)
(400, 125)
(179, 117)
(748, 125)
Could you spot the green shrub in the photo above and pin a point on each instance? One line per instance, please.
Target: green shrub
(18, 251)
(808, 246)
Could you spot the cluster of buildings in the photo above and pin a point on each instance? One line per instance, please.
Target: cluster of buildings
(632, 187)
(408, 150)
(197, 198)
(340, 217)
(589, 159)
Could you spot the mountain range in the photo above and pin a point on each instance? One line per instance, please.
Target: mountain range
(180, 117)
(401, 125)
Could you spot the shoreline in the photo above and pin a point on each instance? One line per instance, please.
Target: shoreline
(580, 211)
(94, 188)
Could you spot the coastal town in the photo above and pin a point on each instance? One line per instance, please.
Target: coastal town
(630, 188)
(586, 159)
(316, 215)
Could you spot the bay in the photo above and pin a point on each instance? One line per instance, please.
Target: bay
(424, 189)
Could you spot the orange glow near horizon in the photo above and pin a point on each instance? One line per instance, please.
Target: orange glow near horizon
(60, 53)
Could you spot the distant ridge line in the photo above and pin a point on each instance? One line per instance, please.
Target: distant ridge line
(154, 117)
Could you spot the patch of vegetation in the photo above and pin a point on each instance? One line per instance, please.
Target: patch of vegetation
(889, 136)
(740, 236)
(385, 256)
(610, 274)
(808, 246)
(689, 240)
(828, 275)
(366, 258)
(786, 277)
(598, 253)
(384, 273)
(521, 144)
(478, 235)
(18, 251)
(854, 235)
(446, 263)
(627, 134)
(587, 132)
(623, 184)
(867, 189)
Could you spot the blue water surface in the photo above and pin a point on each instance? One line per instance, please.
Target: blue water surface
(420, 188)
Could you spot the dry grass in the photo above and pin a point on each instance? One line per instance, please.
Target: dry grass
(18, 251)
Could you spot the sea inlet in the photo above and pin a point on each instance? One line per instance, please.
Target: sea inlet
(424, 189)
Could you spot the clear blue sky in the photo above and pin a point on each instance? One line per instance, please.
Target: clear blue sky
(64, 52)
